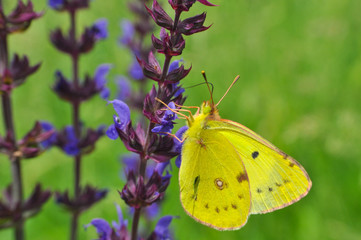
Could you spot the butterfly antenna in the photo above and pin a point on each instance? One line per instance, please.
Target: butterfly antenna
(209, 89)
(198, 84)
(234, 81)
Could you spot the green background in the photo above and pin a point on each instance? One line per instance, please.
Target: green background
(300, 79)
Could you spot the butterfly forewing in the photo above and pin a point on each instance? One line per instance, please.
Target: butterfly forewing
(276, 180)
(213, 182)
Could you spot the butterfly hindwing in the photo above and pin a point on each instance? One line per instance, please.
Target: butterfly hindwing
(276, 179)
(213, 182)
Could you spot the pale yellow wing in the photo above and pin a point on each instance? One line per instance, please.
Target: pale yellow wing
(214, 187)
(276, 179)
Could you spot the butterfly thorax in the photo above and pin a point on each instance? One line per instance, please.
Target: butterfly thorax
(207, 113)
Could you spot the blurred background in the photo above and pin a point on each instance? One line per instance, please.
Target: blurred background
(300, 79)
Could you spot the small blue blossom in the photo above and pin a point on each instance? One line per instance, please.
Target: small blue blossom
(124, 89)
(162, 228)
(100, 79)
(179, 89)
(178, 145)
(128, 32)
(174, 65)
(103, 228)
(121, 120)
(56, 4)
(152, 211)
(136, 71)
(121, 222)
(71, 147)
(100, 28)
(105, 231)
(131, 163)
(166, 125)
(52, 139)
(112, 132)
(175, 86)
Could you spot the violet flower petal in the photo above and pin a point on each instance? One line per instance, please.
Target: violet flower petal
(55, 4)
(112, 132)
(46, 126)
(100, 28)
(128, 32)
(178, 160)
(162, 227)
(122, 109)
(100, 75)
(124, 88)
(152, 211)
(174, 65)
(136, 71)
(103, 228)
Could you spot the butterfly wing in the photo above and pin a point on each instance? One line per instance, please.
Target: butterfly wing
(276, 179)
(214, 187)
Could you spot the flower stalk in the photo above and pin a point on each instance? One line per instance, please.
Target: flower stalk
(14, 209)
(76, 140)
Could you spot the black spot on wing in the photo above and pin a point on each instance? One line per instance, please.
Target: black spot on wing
(255, 154)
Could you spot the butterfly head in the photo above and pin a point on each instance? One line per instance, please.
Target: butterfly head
(209, 110)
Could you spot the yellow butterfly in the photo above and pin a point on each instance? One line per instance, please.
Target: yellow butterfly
(229, 172)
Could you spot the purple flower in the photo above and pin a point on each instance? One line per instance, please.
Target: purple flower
(178, 145)
(100, 80)
(52, 139)
(71, 147)
(162, 228)
(175, 86)
(132, 161)
(174, 65)
(128, 32)
(56, 4)
(104, 230)
(100, 29)
(166, 125)
(136, 71)
(124, 89)
(112, 132)
(120, 121)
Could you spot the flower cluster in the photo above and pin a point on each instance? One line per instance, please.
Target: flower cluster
(145, 187)
(119, 230)
(14, 209)
(11, 211)
(90, 87)
(77, 140)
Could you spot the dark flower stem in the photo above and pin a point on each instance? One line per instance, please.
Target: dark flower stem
(135, 223)
(17, 187)
(76, 124)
